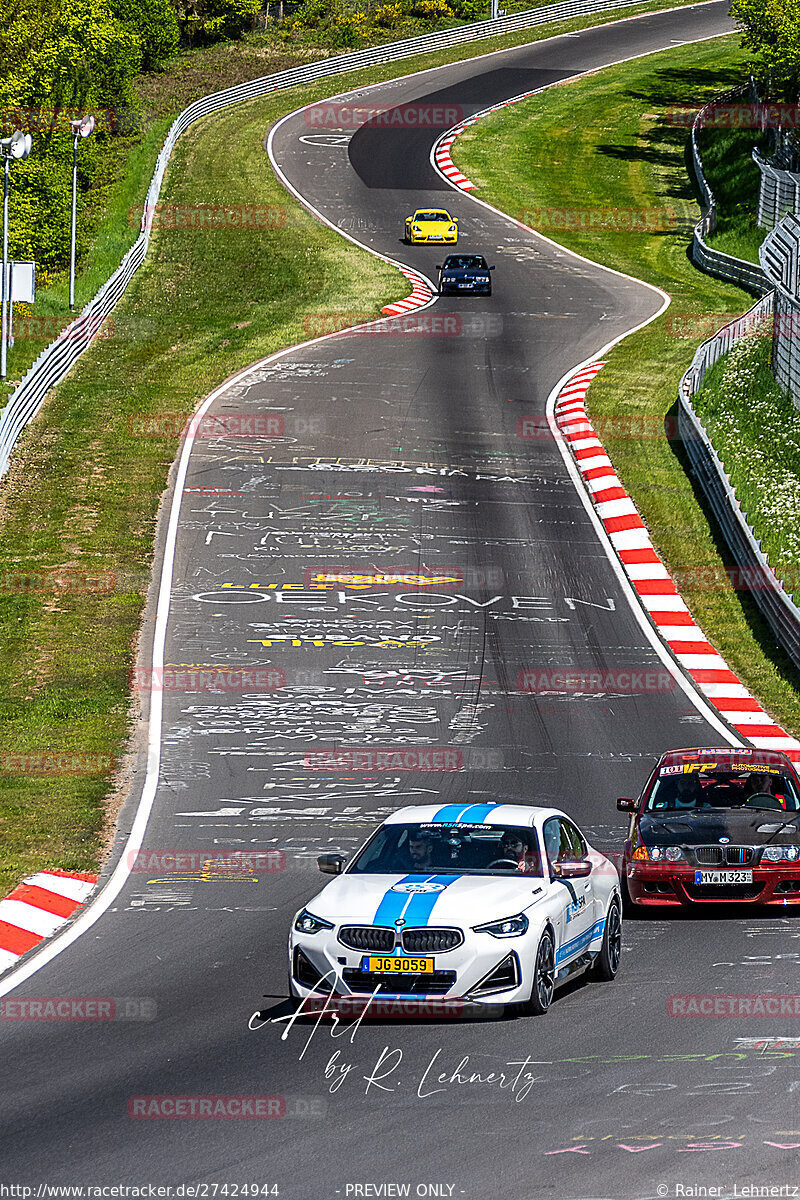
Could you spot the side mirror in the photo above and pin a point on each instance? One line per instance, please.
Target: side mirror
(331, 864)
(491, 268)
(626, 805)
(577, 868)
(438, 267)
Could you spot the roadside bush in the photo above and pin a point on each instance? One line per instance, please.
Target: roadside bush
(387, 15)
(155, 23)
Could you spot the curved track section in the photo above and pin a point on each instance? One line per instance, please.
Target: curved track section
(395, 450)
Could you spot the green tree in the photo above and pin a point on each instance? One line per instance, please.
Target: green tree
(771, 29)
(204, 21)
(155, 22)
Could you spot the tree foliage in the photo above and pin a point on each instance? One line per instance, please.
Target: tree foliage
(156, 24)
(204, 21)
(771, 29)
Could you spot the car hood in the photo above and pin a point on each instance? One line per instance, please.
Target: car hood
(750, 827)
(465, 272)
(422, 900)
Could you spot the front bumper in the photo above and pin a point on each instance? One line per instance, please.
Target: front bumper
(439, 239)
(464, 974)
(657, 886)
(450, 289)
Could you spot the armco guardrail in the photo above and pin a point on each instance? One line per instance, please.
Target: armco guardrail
(780, 259)
(779, 609)
(723, 266)
(60, 356)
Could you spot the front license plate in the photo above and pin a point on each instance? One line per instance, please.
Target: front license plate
(723, 876)
(396, 966)
(465, 285)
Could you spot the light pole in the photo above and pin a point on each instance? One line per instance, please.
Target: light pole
(17, 146)
(80, 129)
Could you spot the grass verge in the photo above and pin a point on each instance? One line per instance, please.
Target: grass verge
(625, 148)
(755, 429)
(734, 178)
(82, 495)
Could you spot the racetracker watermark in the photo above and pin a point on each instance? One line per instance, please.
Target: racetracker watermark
(738, 116)
(78, 1008)
(637, 427)
(742, 579)
(47, 327)
(208, 217)
(397, 758)
(186, 862)
(399, 1008)
(172, 1108)
(764, 1005)
(404, 758)
(57, 581)
(46, 119)
(781, 325)
(207, 679)
(54, 763)
(403, 116)
(209, 427)
(595, 681)
(613, 220)
(426, 324)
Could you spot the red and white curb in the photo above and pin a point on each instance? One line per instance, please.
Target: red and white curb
(441, 150)
(37, 909)
(651, 580)
(441, 156)
(420, 294)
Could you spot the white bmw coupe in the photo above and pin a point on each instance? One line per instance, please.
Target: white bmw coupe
(485, 903)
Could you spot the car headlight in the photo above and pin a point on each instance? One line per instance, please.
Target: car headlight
(415, 229)
(306, 922)
(776, 854)
(671, 854)
(452, 229)
(481, 278)
(511, 927)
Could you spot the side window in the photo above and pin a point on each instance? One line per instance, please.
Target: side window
(552, 838)
(572, 842)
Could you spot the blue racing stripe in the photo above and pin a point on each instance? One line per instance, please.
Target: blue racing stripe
(393, 903)
(414, 907)
(474, 813)
(421, 906)
(576, 944)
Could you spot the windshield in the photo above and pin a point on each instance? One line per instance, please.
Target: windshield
(705, 785)
(464, 262)
(453, 849)
(432, 216)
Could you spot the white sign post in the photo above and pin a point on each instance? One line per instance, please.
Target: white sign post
(20, 286)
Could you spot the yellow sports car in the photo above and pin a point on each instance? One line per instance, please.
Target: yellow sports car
(431, 225)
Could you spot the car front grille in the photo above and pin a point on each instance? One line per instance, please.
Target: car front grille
(379, 940)
(724, 891)
(431, 941)
(723, 856)
(434, 984)
(367, 937)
